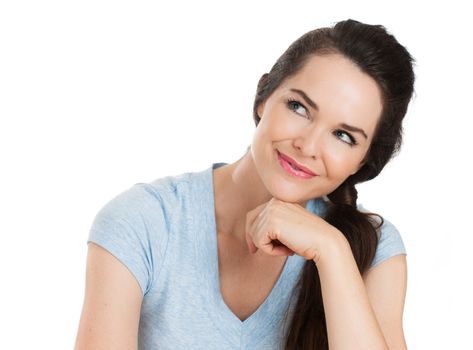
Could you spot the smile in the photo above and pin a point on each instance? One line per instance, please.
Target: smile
(293, 169)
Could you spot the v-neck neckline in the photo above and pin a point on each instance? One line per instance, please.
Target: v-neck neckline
(207, 269)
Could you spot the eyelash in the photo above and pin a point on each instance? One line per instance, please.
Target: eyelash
(290, 101)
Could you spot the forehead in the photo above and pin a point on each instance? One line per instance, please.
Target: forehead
(340, 89)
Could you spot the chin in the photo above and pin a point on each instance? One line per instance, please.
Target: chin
(287, 193)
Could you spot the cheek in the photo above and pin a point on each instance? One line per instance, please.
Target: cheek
(279, 124)
(341, 160)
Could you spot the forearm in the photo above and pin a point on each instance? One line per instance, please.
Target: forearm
(351, 322)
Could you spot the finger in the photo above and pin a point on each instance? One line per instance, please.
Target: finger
(278, 246)
(259, 232)
(252, 215)
(281, 250)
(250, 224)
(249, 242)
(253, 237)
(274, 247)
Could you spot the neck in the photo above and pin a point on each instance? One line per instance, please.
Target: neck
(238, 189)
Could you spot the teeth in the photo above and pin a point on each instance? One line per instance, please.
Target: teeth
(294, 167)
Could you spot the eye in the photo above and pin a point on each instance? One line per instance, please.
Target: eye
(296, 106)
(346, 137)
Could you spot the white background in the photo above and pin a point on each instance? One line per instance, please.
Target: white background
(98, 95)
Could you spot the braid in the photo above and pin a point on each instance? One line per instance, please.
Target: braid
(378, 54)
(359, 228)
(346, 194)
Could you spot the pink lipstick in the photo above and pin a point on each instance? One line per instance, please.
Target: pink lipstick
(294, 168)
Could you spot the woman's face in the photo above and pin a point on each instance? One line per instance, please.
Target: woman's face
(324, 118)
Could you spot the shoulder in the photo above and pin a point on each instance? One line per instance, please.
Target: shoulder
(134, 227)
(390, 242)
(143, 198)
(130, 206)
(144, 210)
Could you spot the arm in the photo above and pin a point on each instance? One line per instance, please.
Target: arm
(111, 310)
(357, 317)
(352, 321)
(386, 285)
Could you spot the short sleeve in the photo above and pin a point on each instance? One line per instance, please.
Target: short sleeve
(132, 227)
(389, 244)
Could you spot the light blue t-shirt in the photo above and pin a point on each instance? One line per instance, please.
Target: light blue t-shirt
(164, 232)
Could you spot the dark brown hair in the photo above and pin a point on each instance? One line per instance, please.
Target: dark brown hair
(378, 54)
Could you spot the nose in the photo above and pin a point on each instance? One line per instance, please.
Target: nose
(309, 143)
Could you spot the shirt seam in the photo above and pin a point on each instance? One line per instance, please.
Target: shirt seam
(157, 272)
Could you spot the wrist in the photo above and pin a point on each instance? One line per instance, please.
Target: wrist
(334, 245)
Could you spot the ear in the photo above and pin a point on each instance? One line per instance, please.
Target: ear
(261, 84)
(260, 109)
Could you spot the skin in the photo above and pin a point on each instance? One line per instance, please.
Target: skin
(314, 138)
(266, 210)
(267, 204)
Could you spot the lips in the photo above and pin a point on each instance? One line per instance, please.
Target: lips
(297, 165)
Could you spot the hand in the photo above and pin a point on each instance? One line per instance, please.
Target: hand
(282, 228)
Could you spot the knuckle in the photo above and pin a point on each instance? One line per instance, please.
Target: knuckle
(310, 253)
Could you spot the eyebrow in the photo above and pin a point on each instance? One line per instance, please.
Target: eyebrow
(314, 106)
(306, 98)
(354, 129)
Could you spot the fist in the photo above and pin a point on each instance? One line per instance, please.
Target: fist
(281, 228)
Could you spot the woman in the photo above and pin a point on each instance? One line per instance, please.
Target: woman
(271, 251)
